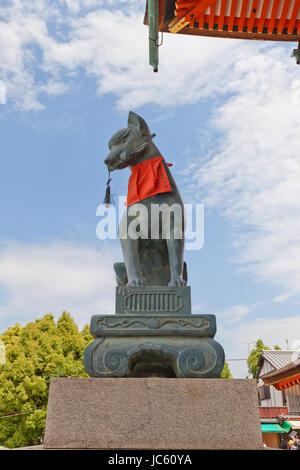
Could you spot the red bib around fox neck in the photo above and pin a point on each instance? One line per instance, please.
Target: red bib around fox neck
(147, 179)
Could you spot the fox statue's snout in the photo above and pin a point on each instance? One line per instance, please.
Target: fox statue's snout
(118, 145)
(125, 141)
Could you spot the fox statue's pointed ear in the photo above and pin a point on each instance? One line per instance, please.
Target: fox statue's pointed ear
(134, 120)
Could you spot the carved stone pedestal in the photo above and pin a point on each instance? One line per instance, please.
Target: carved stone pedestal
(150, 338)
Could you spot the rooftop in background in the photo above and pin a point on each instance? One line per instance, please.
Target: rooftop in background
(286, 368)
(277, 358)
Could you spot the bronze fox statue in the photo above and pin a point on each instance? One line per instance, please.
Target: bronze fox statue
(148, 260)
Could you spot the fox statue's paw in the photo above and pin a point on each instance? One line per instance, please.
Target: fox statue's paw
(177, 281)
(136, 283)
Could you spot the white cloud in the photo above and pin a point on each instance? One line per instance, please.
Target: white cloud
(42, 43)
(50, 278)
(254, 177)
(234, 314)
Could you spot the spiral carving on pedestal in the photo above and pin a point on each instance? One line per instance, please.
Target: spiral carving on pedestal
(112, 363)
(116, 361)
(191, 361)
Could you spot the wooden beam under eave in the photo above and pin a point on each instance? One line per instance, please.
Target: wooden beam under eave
(252, 15)
(243, 15)
(294, 16)
(232, 15)
(263, 15)
(178, 23)
(287, 375)
(273, 15)
(212, 16)
(185, 3)
(284, 12)
(236, 34)
(284, 384)
(222, 15)
(201, 20)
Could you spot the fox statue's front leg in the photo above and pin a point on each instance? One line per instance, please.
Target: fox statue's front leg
(175, 249)
(131, 253)
(131, 259)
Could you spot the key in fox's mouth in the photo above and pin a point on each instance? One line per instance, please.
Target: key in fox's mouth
(117, 164)
(111, 166)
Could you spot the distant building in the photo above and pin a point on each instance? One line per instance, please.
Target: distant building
(278, 382)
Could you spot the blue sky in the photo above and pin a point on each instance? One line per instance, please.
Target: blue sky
(226, 113)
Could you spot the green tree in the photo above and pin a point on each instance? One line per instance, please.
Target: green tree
(226, 374)
(35, 353)
(253, 357)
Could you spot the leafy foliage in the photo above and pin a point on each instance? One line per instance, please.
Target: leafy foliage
(35, 353)
(226, 374)
(254, 356)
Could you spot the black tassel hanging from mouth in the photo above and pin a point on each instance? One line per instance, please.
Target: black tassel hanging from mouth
(107, 199)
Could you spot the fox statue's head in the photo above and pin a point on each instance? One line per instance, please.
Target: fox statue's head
(128, 145)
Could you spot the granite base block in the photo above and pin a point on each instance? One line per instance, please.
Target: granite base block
(152, 413)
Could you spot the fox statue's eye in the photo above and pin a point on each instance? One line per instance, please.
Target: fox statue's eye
(123, 140)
